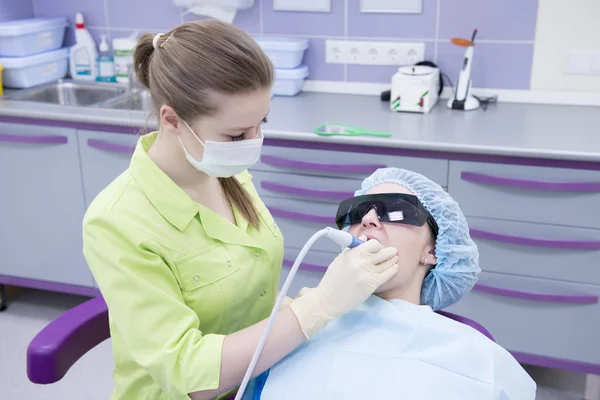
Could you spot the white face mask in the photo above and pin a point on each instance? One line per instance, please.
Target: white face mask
(225, 159)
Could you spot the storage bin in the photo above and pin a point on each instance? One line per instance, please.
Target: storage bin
(289, 82)
(25, 37)
(24, 72)
(284, 52)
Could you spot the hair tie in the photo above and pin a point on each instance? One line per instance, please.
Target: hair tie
(155, 40)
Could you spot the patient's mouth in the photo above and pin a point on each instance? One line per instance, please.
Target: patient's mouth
(371, 236)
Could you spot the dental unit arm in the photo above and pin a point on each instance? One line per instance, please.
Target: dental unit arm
(340, 237)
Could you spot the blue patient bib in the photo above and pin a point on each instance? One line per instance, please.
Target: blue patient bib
(397, 349)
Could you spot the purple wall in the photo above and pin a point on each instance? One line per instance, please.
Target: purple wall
(503, 56)
(15, 9)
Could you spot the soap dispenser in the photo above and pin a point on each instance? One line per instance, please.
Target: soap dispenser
(106, 63)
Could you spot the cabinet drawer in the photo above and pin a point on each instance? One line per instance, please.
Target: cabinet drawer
(543, 251)
(310, 272)
(345, 164)
(304, 187)
(536, 316)
(104, 156)
(522, 193)
(41, 206)
(299, 220)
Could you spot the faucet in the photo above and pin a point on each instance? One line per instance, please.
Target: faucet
(133, 83)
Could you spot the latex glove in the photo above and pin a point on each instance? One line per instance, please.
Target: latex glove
(286, 302)
(351, 278)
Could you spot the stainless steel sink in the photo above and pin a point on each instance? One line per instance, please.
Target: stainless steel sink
(69, 93)
(138, 101)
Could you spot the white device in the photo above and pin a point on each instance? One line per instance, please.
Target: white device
(462, 98)
(415, 89)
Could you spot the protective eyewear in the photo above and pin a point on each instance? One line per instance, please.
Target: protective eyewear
(398, 208)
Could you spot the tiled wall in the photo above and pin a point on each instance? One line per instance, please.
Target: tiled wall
(15, 9)
(503, 56)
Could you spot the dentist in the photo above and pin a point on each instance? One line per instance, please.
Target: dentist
(185, 253)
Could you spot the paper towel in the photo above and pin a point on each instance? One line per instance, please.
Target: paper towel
(223, 10)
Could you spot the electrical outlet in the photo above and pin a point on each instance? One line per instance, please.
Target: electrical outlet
(582, 62)
(356, 52)
(373, 53)
(335, 51)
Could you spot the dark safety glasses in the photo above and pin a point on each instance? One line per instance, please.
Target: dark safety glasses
(396, 208)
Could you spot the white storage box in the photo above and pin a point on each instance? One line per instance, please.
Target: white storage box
(284, 52)
(24, 72)
(25, 37)
(289, 82)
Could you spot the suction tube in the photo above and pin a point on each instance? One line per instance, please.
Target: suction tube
(340, 237)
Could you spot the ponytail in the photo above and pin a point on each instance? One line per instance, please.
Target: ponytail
(142, 57)
(239, 198)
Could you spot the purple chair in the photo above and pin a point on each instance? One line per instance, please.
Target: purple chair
(65, 340)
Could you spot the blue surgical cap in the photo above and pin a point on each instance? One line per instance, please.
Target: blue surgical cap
(457, 256)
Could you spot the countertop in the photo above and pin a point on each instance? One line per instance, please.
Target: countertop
(508, 129)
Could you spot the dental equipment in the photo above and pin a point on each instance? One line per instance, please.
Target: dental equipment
(340, 237)
(335, 129)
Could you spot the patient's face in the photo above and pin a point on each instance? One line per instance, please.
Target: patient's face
(415, 246)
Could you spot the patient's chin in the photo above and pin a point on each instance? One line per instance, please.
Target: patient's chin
(386, 287)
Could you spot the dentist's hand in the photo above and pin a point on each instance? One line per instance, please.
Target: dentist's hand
(351, 278)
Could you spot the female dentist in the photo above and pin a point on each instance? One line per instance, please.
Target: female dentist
(185, 253)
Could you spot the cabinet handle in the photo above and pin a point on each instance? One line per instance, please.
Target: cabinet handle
(534, 242)
(321, 167)
(277, 212)
(298, 191)
(33, 139)
(305, 266)
(535, 296)
(109, 146)
(530, 184)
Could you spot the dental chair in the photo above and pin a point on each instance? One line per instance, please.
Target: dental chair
(57, 347)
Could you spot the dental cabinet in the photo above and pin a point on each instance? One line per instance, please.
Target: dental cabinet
(533, 215)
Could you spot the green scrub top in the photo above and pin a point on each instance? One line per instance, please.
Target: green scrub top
(177, 277)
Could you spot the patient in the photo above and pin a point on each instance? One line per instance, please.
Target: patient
(395, 345)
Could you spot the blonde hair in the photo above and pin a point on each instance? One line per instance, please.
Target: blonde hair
(183, 67)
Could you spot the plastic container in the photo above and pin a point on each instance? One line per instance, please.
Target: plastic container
(289, 82)
(123, 55)
(24, 72)
(84, 54)
(284, 52)
(25, 37)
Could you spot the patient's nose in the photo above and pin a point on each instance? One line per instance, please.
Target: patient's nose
(371, 220)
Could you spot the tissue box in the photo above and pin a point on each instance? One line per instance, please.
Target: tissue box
(289, 82)
(284, 52)
(30, 36)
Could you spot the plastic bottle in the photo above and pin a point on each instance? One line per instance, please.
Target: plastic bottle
(106, 63)
(123, 52)
(82, 60)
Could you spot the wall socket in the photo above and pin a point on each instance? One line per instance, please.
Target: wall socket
(373, 53)
(582, 62)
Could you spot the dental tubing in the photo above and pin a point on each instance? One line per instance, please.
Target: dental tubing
(340, 237)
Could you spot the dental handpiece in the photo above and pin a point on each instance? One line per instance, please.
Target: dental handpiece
(342, 238)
